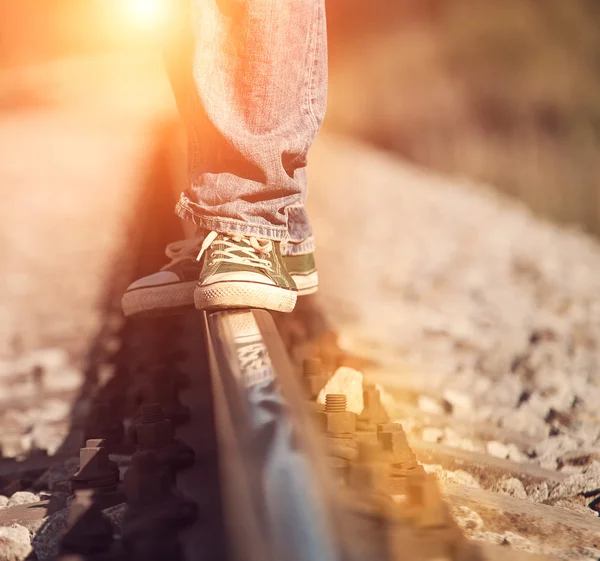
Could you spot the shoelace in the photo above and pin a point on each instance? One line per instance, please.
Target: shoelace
(182, 250)
(249, 255)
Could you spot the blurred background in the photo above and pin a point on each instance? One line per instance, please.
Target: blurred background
(506, 92)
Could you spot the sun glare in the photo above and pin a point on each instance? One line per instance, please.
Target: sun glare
(147, 14)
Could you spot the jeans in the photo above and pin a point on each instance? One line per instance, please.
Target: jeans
(252, 108)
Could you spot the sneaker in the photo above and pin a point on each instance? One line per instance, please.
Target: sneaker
(243, 272)
(172, 289)
(303, 269)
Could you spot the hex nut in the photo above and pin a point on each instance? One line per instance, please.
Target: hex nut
(314, 384)
(369, 476)
(342, 446)
(393, 441)
(373, 411)
(146, 481)
(425, 500)
(154, 435)
(337, 423)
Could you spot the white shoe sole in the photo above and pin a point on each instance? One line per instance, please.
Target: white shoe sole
(159, 299)
(240, 294)
(173, 297)
(306, 284)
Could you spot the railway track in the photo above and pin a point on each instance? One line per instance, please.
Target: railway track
(205, 447)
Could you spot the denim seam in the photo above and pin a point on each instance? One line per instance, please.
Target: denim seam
(312, 57)
(184, 209)
(301, 248)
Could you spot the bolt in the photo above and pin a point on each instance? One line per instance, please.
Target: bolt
(312, 367)
(96, 471)
(153, 429)
(393, 440)
(425, 501)
(335, 419)
(102, 423)
(163, 388)
(373, 411)
(335, 403)
(151, 413)
(368, 452)
(146, 481)
(88, 531)
(154, 432)
(314, 376)
(370, 472)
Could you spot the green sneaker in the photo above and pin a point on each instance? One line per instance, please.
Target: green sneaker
(172, 288)
(303, 269)
(243, 272)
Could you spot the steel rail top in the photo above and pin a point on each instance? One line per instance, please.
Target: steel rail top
(280, 500)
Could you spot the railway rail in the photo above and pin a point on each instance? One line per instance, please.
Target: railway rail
(223, 457)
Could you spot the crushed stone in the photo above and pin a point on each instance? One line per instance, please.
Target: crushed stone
(467, 519)
(15, 543)
(349, 382)
(588, 481)
(458, 476)
(510, 486)
(47, 539)
(23, 498)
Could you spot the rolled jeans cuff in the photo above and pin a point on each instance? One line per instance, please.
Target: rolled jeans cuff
(298, 248)
(189, 210)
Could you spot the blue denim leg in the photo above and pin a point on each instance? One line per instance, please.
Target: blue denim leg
(256, 104)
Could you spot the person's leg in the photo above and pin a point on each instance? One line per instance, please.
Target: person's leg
(260, 76)
(255, 104)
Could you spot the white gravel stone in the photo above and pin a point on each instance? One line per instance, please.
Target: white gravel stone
(15, 543)
(468, 520)
(23, 498)
(539, 492)
(452, 438)
(526, 422)
(46, 541)
(497, 449)
(577, 484)
(349, 382)
(462, 404)
(116, 514)
(459, 476)
(551, 449)
(430, 405)
(3, 501)
(510, 486)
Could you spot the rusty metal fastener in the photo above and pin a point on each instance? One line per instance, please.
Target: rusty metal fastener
(373, 411)
(95, 471)
(314, 376)
(424, 500)
(335, 419)
(335, 403)
(146, 481)
(370, 472)
(88, 530)
(153, 429)
(162, 387)
(393, 440)
(154, 432)
(101, 423)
